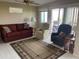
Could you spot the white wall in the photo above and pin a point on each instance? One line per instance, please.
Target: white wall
(76, 49)
(9, 18)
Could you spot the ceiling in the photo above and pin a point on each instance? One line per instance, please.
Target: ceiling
(41, 2)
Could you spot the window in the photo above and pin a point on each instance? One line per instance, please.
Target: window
(44, 17)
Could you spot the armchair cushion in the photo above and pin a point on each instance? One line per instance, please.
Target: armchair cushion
(58, 40)
(65, 28)
(53, 34)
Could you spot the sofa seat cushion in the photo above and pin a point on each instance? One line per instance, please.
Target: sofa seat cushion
(13, 34)
(25, 33)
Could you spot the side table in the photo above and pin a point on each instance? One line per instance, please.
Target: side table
(69, 44)
(39, 34)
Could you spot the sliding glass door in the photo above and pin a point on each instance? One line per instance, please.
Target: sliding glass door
(57, 18)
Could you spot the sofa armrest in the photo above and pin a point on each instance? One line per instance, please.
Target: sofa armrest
(3, 33)
(30, 29)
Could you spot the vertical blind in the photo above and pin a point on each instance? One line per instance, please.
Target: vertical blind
(71, 16)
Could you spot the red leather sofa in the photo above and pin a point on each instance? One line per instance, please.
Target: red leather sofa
(17, 32)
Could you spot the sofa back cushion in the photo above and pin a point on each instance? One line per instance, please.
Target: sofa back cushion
(12, 27)
(20, 27)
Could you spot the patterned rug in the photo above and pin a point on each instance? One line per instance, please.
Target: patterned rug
(36, 49)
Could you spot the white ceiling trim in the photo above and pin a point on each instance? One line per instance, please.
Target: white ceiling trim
(41, 2)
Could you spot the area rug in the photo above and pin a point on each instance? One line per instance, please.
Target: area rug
(36, 49)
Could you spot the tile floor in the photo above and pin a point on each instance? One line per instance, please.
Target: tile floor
(68, 56)
(7, 52)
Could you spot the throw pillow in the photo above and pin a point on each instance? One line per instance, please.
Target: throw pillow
(7, 29)
(62, 34)
(26, 26)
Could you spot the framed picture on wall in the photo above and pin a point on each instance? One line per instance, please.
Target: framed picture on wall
(15, 10)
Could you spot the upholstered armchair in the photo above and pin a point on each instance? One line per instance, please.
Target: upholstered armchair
(58, 38)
